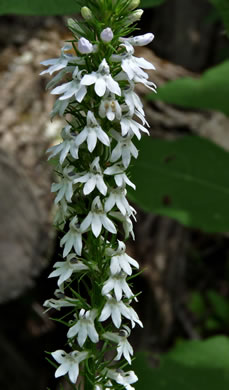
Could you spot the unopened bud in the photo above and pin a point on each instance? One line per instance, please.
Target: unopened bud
(107, 35)
(135, 16)
(86, 13)
(133, 4)
(84, 46)
(139, 40)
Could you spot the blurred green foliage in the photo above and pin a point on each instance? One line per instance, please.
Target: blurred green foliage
(223, 8)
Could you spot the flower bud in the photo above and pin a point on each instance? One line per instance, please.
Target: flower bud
(86, 13)
(133, 4)
(84, 46)
(135, 16)
(107, 35)
(139, 40)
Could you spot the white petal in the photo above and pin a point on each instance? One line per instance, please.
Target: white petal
(73, 373)
(91, 140)
(108, 224)
(62, 370)
(86, 222)
(89, 79)
(89, 186)
(96, 225)
(100, 86)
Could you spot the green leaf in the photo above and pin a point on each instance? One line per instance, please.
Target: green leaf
(51, 7)
(191, 365)
(186, 179)
(223, 8)
(210, 91)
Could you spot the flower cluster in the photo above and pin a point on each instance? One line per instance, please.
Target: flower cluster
(97, 73)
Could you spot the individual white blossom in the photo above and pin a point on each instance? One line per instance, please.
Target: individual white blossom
(102, 79)
(139, 40)
(117, 196)
(68, 145)
(118, 283)
(61, 301)
(123, 348)
(69, 363)
(137, 79)
(72, 88)
(59, 76)
(120, 260)
(124, 149)
(61, 62)
(84, 327)
(62, 213)
(59, 107)
(126, 222)
(65, 269)
(133, 101)
(92, 179)
(73, 238)
(123, 378)
(64, 187)
(120, 177)
(109, 108)
(92, 132)
(107, 35)
(84, 46)
(97, 218)
(130, 64)
(130, 127)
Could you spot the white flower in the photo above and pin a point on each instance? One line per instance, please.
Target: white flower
(59, 107)
(69, 363)
(55, 80)
(117, 196)
(130, 64)
(61, 62)
(93, 179)
(117, 282)
(62, 213)
(126, 222)
(124, 148)
(73, 238)
(110, 108)
(137, 79)
(120, 176)
(84, 327)
(123, 378)
(121, 261)
(102, 79)
(97, 218)
(64, 188)
(66, 268)
(91, 133)
(107, 35)
(139, 40)
(68, 145)
(124, 348)
(84, 46)
(133, 101)
(57, 304)
(72, 88)
(116, 309)
(131, 127)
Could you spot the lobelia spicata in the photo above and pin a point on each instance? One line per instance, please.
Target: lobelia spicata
(95, 80)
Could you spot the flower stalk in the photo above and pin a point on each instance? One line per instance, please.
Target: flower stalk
(97, 73)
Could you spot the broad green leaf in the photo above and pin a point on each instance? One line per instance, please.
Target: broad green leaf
(223, 9)
(210, 91)
(51, 7)
(186, 179)
(191, 365)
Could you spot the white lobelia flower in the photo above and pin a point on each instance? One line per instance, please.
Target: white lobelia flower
(124, 148)
(84, 327)
(62, 301)
(62, 213)
(130, 64)
(84, 46)
(97, 218)
(102, 79)
(107, 35)
(124, 348)
(117, 309)
(120, 176)
(73, 238)
(126, 222)
(64, 187)
(120, 260)
(137, 79)
(130, 127)
(139, 40)
(59, 107)
(72, 88)
(68, 145)
(92, 132)
(133, 101)
(110, 108)
(117, 282)
(92, 179)
(65, 269)
(55, 80)
(123, 378)
(69, 363)
(61, 62)
(117, 196)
